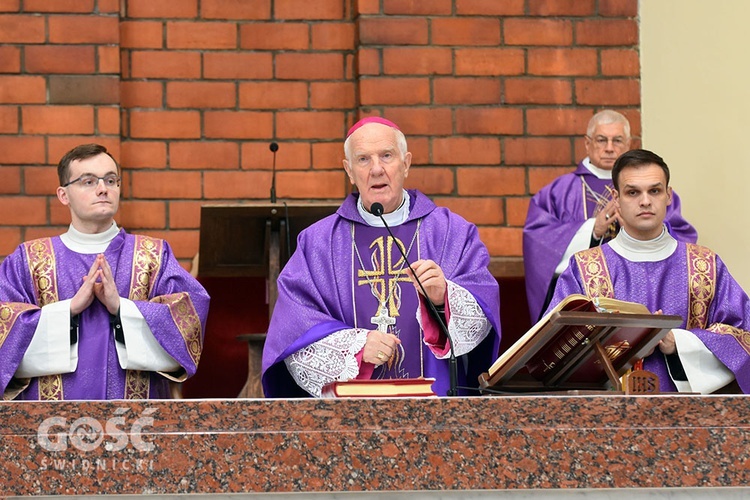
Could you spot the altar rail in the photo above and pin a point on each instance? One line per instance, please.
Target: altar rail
(499, 443)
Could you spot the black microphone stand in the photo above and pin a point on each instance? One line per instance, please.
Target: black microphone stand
(377, 210)
(273, 147)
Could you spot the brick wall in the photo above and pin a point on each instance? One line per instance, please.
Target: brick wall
(493, 96)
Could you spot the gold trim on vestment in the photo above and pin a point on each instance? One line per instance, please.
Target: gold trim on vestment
(146, 265)
(701, 264)
(742, 336)
(186, 319)
(595, 273)
(137, 384)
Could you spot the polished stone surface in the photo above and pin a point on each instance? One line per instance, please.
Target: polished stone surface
(505, 443)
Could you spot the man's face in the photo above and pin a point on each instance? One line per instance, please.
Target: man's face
(93, 204)
(376, 167)
(643, 199)
(606, 144)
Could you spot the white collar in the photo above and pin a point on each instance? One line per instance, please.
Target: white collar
(395, 218)
(89, 243)
(599, 172)
(634, 250)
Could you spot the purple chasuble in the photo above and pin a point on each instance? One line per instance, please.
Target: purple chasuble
(556, 212)
(172, 302)
(692, 283)
(323, 283)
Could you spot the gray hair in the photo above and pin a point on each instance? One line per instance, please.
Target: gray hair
(605, 117)
(400, 142)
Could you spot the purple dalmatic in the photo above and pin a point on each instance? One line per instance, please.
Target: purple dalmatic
(343, 269)
(556, 212)
(45, 271)
(692, 283)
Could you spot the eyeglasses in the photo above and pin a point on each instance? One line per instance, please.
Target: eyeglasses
(90, 181)
(601, 141)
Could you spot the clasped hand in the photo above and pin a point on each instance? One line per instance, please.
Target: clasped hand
(605, 218)
(100, 284)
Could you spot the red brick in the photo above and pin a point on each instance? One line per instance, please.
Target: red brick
(484, 210)
(380, 91)
(431, 180)
(10, 59)
(201, 95)
(538, 91)
(307, 66)
(40, 180)
(184, 244)
(421, 121)
(516, 209)
(136, 215)
(57, 119)
(273, 95)
(159, 10)
(84, 29)
(393, 31)
(166, 185)
(237, 185)
(8, 119)
(490, 62)
(108, 120)
(10, 6)
(541, 176)
(236, 9)
(566, 121)
(142, 34)
(238, 65)
(21, 150)
(525, 31)
(10, 238)
(493, 121)
(491, 181)
(290, 156)
(485, 8)
(467, 90)
(58, 145)
(367, 7)
(204, 155)
(107, 6)
(537, 151)
(33, 233)
(313, 184)
(23, 210)
(275, 36)
(607, 32)
(618, 8)
(165, 124)
(68, 6)
(418, 7)
(333, 36)
(144, 154)
(165, 64)
(184, 214)
(465, 151)
(465, 31)
(309, 125)
(140, 94)
(609, 92)
(327, 155)
(502, 241)
(420, 151)
(59, 59)
(562, 62)
(16, 28)
(332, 95)
(10, 180)
(238, 125)
(561, 7)
(417, 61)
(201, 35)
(108, 59)
(620, 62)
(307, 10)
(368, 62)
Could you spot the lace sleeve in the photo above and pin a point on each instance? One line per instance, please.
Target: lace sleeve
(468, 325)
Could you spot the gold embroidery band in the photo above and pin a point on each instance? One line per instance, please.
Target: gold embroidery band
(50, 388)
(701, 264)
(595, 273)
(41, 260)
(186, 319)
(146, 265)
(137, 384)
(9, 313)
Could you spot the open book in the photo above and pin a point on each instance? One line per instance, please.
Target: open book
(380, 388)
(582, 343)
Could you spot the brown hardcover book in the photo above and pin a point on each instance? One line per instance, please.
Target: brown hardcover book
(386, 388)
(582, 343)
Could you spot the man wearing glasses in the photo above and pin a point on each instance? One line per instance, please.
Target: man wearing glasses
(96, 313)
(576, 211)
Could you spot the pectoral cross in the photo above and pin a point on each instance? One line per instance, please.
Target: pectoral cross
(382, 319)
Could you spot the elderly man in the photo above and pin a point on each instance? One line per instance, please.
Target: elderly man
(96, 313)
(576, 211)
(347, 275)
(644, 263)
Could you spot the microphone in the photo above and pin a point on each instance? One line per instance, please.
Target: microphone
(273, 147)
(377, 210)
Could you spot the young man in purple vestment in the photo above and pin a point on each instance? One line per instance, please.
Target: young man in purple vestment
(645, 263)
(576, 211)
(348, 306)
(96, 313)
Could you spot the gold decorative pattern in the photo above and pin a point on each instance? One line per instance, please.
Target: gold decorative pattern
(186, 319)
(146, 265)
(137, 384)
(9, 313)
(50, 387)
(742, 336)
(41, 261)
(701, 263)
(595, 273)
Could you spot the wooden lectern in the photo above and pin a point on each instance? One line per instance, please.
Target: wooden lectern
(254, 240)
